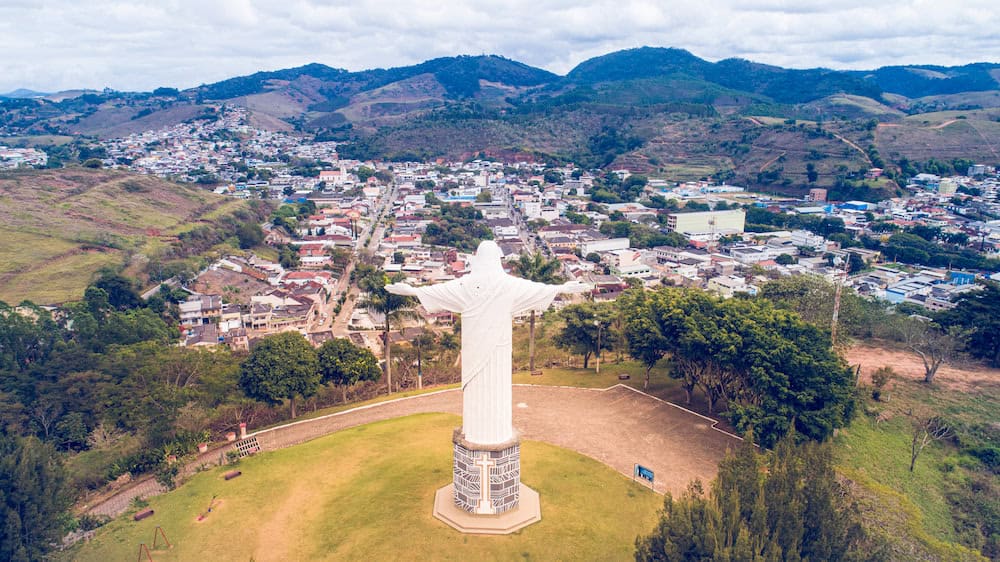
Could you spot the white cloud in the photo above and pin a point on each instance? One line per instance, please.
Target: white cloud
(138, 45)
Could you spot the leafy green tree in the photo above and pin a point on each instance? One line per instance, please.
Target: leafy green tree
(280, 367)
(812, 298)
(458, 227)
(363, 173)
(811, 174)
(534, 267)
(33, 499)
(583, 323)
(787, 507)
(788, 373)
(249, 234)
(26, 339)
(121, 291)
(643, 334)
(421, 343)
(288, 256)
(134, 326)
(344, 364)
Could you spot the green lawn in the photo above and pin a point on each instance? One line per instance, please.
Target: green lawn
(588, 378)
(366, 493)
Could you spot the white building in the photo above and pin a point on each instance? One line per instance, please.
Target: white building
(732, 221)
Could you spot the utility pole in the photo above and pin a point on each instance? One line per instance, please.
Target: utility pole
(841, 279)
(599, 326)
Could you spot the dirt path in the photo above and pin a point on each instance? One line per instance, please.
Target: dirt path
(944, 124)
(771, 161)
(961, 378)
(850, 143)
(618, 426)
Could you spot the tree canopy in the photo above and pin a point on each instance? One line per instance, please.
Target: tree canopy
(33, 498)
(786, 506)
(774, 370)
(342, 363)
(280, 367)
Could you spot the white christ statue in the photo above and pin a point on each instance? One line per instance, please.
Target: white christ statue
(487, 298)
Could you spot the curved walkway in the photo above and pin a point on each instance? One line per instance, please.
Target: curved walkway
(618, 426)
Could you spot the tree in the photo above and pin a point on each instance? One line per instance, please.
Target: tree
(932, 343)
(553, 176)
(880, 378)
(363, 173)
(249, 235)
(785, 259)
(33, 498)
(644, 338)
(925, 430)
(583, 323)
(484, 197)
(391, 307)
(786, 372)
(534, 267)
(789, 507)
(421, 342)
(811, 174)
(344, 364)
(280, 367)
(288, 256)
(121, 291)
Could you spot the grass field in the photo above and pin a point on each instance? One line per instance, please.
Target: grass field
(60, 226)
(366, 493)
(23, 249)
(58, 280)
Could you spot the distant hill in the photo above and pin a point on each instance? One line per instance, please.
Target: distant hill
(23, 93)
(650, 109)
(779, 84)
(59, 227)
(922, 80)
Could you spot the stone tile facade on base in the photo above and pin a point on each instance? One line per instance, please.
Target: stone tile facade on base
(501, 464)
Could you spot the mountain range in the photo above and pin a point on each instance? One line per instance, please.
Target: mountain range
(647, 108)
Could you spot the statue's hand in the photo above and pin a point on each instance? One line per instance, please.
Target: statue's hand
(576, 287)
(401, 289)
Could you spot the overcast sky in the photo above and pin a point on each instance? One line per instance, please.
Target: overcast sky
(52, 45)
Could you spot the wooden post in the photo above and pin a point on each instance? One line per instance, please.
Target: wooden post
(143, 547)
(157, 533)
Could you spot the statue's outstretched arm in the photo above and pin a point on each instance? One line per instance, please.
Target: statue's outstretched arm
(402, 289)
(435, 298)
(575, 287)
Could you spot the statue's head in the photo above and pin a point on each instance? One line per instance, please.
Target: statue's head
(488, 258)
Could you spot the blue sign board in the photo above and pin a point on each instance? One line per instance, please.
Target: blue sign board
(644, 473)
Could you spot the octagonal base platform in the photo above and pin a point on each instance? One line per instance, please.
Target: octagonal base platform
(528, 511)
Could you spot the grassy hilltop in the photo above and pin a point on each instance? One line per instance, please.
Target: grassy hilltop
(59, 227)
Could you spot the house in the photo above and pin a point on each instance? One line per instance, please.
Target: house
(200, 309)
(729, 285)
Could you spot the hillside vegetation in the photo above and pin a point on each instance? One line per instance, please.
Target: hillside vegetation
(649, 109)
(59, 227)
